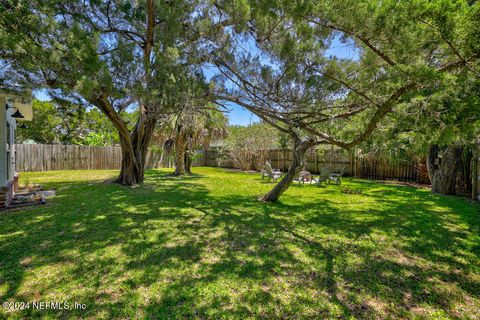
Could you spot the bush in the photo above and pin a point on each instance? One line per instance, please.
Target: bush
(247, 147)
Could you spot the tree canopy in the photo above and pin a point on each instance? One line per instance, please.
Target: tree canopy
(112, 55)
(55, 123)
(403, 50)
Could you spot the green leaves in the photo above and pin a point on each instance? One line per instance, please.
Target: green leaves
(68, 124)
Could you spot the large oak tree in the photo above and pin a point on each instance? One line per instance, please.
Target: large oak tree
(290, 80)
(113, 55)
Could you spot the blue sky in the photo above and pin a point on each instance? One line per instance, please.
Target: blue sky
(243, 117)
(240, 116)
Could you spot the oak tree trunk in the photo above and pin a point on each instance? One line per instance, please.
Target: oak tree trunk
(135, 144)
(299, 150)
(180, 144)
(134, 151)
(129, 171)
(443, 167)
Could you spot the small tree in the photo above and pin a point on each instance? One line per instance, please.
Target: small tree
(248, 147)
(189, 129)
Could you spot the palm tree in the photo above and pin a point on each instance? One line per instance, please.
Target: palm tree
(188, 130)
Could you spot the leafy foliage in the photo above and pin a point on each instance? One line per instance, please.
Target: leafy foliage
(56, 123)
(247, 147)
(113, 55)
(403, 49)
(448, 115)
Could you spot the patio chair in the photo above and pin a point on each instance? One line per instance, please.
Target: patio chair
(272, 174)
(335, 177)
(323, 177)
(304, 176)
(264, 173)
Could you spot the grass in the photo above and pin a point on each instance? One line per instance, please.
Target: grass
(204, 247)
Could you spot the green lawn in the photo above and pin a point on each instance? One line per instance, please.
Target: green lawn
(204, 247)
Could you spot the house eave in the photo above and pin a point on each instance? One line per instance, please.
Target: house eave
(20, 101)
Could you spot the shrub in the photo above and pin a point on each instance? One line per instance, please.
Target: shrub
(247, 147)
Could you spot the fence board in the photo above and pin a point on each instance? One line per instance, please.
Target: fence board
(475, 175)
(381, 170)
(38, 157)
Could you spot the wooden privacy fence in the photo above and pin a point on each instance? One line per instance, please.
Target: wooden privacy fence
(44, 157)
(281, 159)
(335, 159)
(38, 157)
(382, 170)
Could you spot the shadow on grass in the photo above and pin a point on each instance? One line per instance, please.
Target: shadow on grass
(173, 249)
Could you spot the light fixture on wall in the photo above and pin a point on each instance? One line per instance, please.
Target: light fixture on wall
(17, 114)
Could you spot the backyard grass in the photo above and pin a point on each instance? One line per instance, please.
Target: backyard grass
(203, 246)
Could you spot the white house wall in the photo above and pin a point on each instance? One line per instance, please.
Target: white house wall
(3, 143)
(11, 155)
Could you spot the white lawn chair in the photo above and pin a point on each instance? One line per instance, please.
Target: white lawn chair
(335, 177)
(323, 177)
(304, 176)
(271, 174)
(264, 173)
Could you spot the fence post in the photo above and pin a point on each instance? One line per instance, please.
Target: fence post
(352, 163)
(475, 175)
